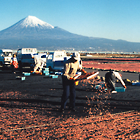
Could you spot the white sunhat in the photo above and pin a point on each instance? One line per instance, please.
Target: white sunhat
(76, 55)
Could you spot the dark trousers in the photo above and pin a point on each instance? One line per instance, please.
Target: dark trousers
(68, 92)
(13, 69)
(110, 80)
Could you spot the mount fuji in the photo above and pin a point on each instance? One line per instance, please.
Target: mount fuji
(33, 28)
(33, 32)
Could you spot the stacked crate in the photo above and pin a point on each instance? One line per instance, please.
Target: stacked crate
(45, 71)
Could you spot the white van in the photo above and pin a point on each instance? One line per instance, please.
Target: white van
(55, 60)
(25, 56)
(22, 51)
(5, 57)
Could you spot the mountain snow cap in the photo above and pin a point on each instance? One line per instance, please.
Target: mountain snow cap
(33, 21)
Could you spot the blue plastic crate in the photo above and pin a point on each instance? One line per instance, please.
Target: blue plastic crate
(46, 74)
(47, 69)
(53, 76)
(26, 74)
(20, 78)
(120, 89)
(58, 73)
(136, 84)
(100, 86)
(52, 72)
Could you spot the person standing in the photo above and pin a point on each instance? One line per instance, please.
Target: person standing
(110, 80)
(14, 63)
(38, 64)
(70, 68)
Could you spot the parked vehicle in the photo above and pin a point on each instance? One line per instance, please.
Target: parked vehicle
(55, 60)
(25, 56)
(5, 57)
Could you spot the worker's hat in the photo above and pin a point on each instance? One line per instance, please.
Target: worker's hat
(76, 55)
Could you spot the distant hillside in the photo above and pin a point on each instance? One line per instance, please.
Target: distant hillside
(33, 32)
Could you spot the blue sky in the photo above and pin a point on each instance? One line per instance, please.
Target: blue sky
(112, 19)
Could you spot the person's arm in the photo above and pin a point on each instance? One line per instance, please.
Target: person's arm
(124, 86)
(80, 67)
(117, 75)
(82, 70)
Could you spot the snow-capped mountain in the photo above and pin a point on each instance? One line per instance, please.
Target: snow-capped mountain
(32, 21)
(31, 28)
(33, 32)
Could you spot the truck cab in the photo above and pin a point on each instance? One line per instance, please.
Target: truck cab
(55, 60)
(5, 57)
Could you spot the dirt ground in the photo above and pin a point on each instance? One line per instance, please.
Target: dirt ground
(29, 109)
(40, 88)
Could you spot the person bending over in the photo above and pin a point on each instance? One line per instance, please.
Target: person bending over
(110, 80)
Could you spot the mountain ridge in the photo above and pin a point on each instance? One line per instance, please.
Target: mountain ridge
(33, 32)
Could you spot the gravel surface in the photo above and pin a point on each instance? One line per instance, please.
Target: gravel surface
(29, 109)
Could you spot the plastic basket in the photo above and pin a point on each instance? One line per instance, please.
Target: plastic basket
(26, 74)
(120, 89)
(53, 76)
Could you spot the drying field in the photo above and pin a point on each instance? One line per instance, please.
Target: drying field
(120, 64)
(30, 109)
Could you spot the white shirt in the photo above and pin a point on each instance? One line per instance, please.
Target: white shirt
(117, 75)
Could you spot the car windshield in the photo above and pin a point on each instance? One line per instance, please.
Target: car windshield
(26, 56)
(43, 56)
(7, 53)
